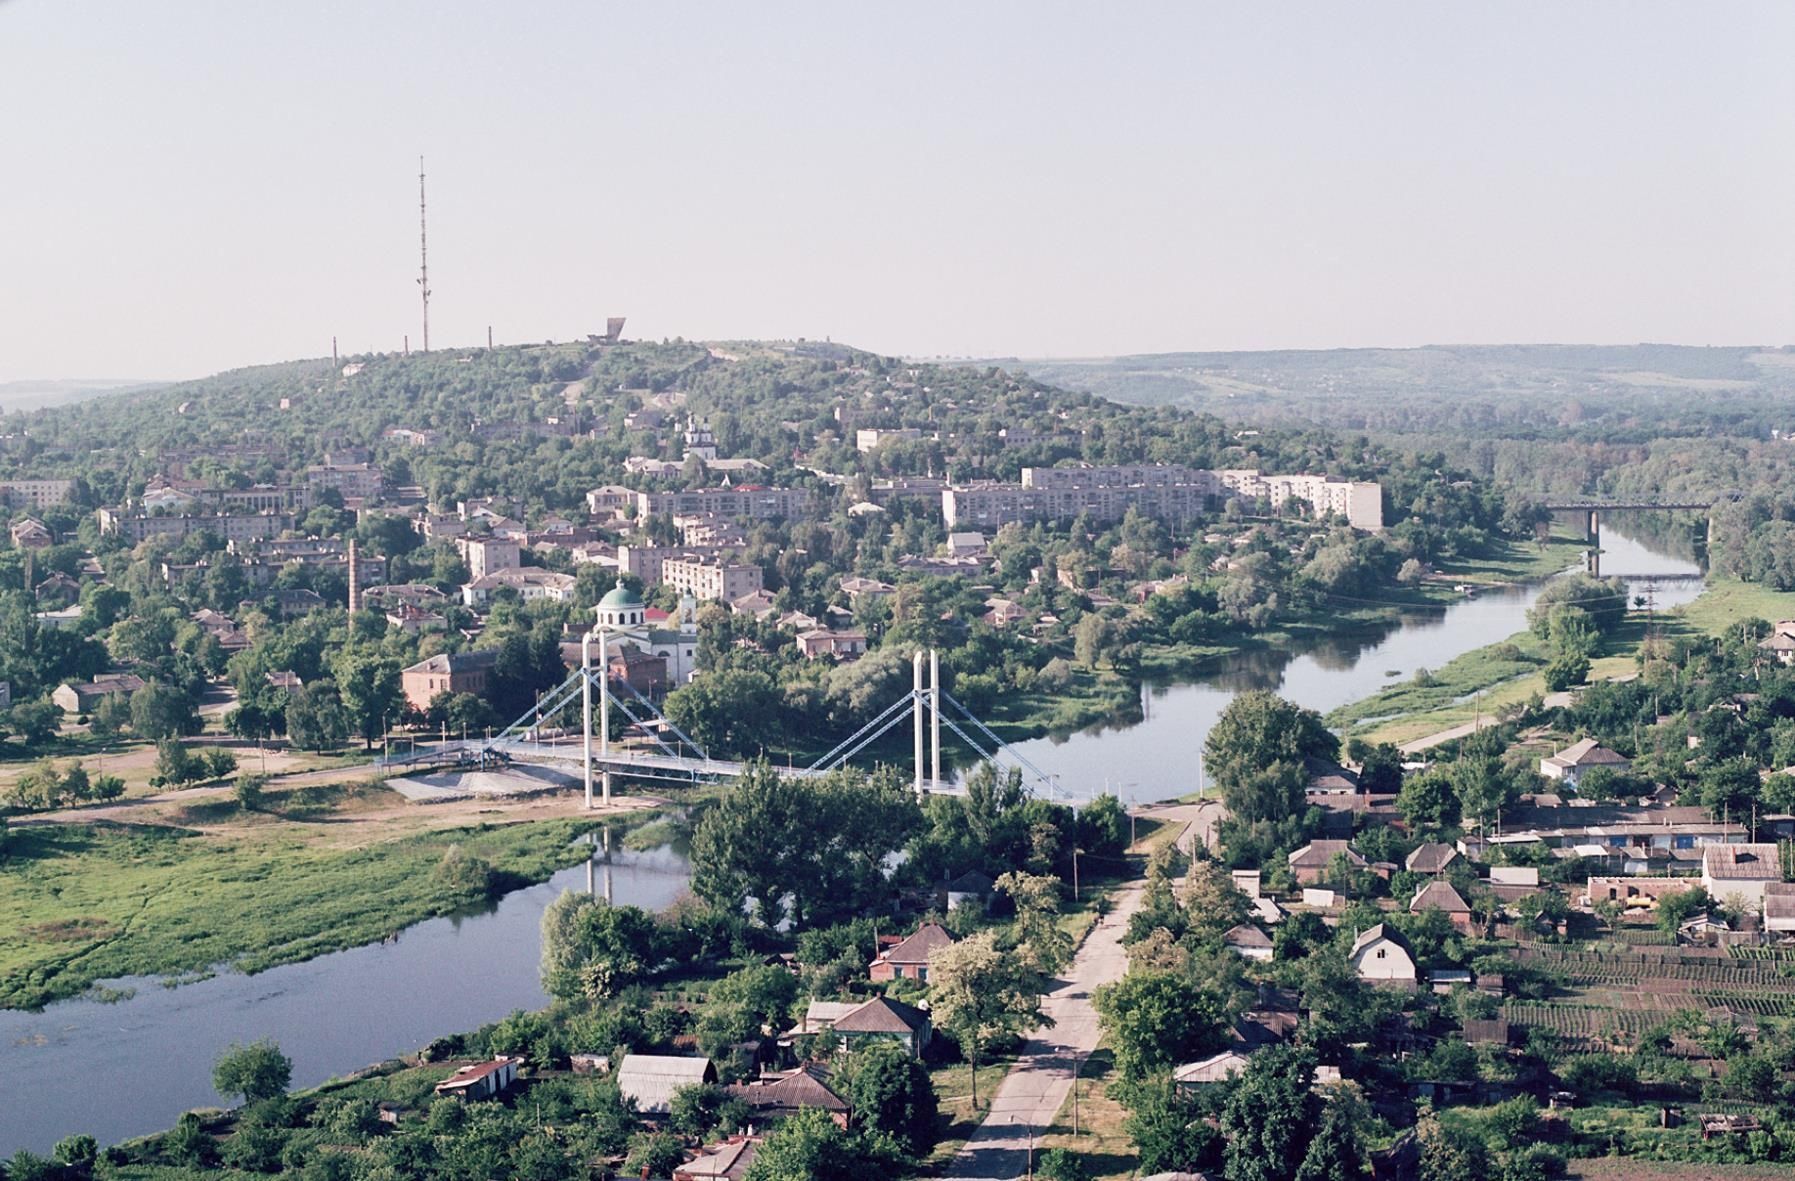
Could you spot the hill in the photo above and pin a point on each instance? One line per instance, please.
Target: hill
(1488, 390)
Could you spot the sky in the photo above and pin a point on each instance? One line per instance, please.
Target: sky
(194, 185)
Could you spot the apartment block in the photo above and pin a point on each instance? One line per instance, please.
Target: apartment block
(35, 494)
(746, 500)
(706, 579)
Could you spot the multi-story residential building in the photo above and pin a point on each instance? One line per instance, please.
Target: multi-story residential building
(488, 555)
(647, 562)
(745, 500)
(868, 439)
(884, 492)
(360, 481)
(228, 527)
(710, 579)
(35, 494)
(1167, 492)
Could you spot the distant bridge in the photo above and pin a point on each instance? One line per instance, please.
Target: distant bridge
(1630, 506)
(559, 729)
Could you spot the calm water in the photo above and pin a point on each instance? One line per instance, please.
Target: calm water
(1160, 757)
(126, 1069)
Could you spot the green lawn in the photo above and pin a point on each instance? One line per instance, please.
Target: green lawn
(1517, 561)
(82, 903)
(1405, 712)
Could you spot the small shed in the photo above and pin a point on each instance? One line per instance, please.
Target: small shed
(650, 1080)
(482, 1080)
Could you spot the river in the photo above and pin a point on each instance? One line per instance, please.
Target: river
(122, 1069)
(1160, 757)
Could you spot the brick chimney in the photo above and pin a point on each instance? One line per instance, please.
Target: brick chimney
(354, 580)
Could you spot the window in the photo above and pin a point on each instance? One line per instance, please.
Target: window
(1380, 953)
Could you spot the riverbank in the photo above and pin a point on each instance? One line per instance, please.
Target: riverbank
(1483, 682)
(91, 902)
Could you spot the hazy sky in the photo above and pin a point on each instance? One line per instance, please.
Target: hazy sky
(194, 185)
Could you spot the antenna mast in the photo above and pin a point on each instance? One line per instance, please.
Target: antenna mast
(423, 255)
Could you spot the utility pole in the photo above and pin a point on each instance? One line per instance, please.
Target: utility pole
(423, 255)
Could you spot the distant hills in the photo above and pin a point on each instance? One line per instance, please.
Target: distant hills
(35, 395)
(1493, 387)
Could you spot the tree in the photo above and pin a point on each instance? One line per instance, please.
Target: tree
(810, 850)
(250, 792)
(111, 715)
(1428, 801)
(461, 873)
(1677, 908)
(1213, 904)
(890, 1092)
(1169, 1130)
(36, 722)
(368, 684)
(1270, 1116)
(78, 1154)
(1037, 930)
(1565, 670)
(255, 1071)
(1103, 827)
(654, 1154)
(978, 994)
(1256, 750)
(1447, 1155)
(1157, 1020)
(1335, 1153)
(1061, 1164)
(178, 766)
(160, 711)
(810, 1147)
(591, 950)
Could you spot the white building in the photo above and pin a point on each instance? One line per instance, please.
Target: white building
(1380, 956)
(532, 584)
(1742, 870)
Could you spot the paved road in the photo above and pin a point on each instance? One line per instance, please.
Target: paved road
(1038, 1085)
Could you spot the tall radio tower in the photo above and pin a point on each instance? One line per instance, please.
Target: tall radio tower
(423, 255)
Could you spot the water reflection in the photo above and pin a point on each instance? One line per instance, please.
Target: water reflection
(125, 1069)
(1158, 754)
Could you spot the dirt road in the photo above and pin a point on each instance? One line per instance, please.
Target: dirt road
(1038, 1085)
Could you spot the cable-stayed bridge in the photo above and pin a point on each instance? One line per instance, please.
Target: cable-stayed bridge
(564, 728)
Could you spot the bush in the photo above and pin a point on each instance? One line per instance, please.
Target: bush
(1061, 1164)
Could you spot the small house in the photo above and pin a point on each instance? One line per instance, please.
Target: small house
(779, 1095)
(1380, 956)
(1249, 942)
(1569, 764)
(883, 1018)
(1432, 857)
(82, 697)
(1779, 908)
(909, 959)
(1439, 895)
(971, 888)
(483, 1080)
(728, 1160)
(1742, 870)
(1310, 863)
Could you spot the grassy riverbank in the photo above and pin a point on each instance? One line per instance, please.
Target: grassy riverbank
(1486, 680)
(84, 903)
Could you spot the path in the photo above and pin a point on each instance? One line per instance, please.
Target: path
(1032, 1094)
(1035, 1089)
(1438, 737)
